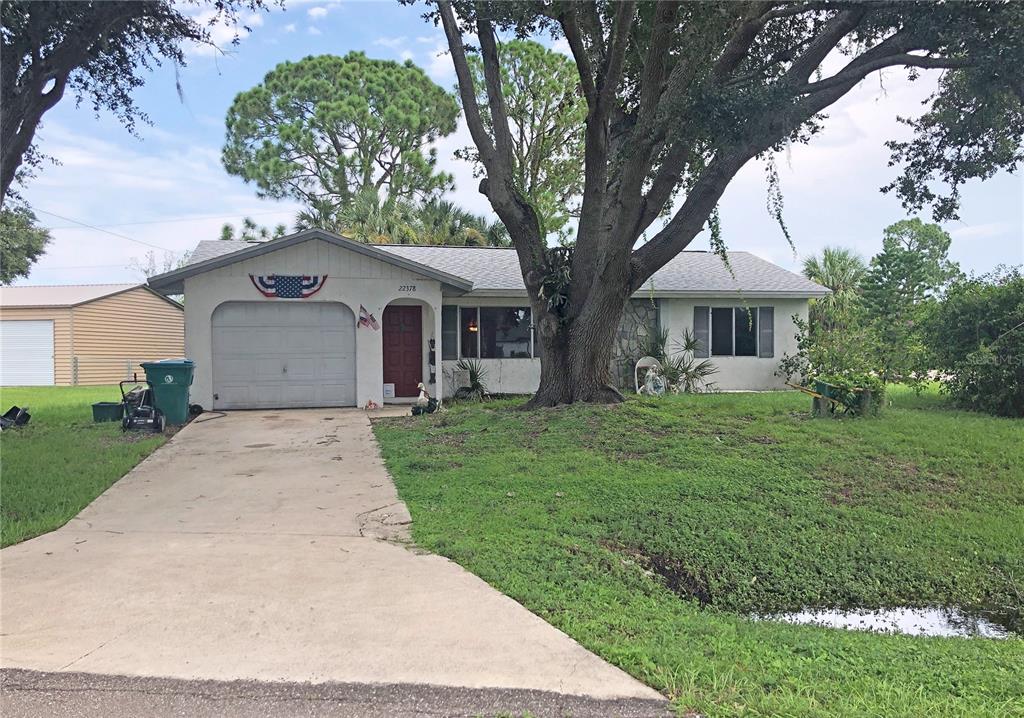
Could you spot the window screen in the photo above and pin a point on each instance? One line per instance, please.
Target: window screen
(701, 331)
(746, 332)
(721, 331)
(504, 333)
(469, 328)
(766, 328)
(449, 332)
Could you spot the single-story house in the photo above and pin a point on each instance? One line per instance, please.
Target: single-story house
(316, 319)
(85, 333)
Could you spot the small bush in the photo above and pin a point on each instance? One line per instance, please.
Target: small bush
(976, 339)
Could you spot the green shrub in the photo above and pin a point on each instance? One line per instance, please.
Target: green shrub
(976, 339)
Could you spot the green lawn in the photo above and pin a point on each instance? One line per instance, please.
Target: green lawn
(53, 467)
(616, 524)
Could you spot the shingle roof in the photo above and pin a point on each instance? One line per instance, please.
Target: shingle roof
(65, 295)
(496, 269)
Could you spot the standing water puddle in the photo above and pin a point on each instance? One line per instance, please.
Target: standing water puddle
(949, 622)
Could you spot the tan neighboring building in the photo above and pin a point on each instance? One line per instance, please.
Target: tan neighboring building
(85, 334)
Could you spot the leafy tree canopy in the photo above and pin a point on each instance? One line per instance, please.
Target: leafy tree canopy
(97, 51)
(912, 268)
(22, 242)
(327, 128)
(913, 265)
(680, 96)
(976, 337)
(546, 115)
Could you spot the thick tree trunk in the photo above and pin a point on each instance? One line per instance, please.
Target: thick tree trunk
(576, 355)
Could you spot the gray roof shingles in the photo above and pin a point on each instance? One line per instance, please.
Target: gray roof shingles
(496, 269)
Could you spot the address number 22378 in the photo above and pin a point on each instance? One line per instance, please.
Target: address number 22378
(407, 287)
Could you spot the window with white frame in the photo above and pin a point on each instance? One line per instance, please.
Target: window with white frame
(734, 331)
(486, 333)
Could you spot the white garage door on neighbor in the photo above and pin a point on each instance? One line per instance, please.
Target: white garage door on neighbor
(26, 352)
(283, 355)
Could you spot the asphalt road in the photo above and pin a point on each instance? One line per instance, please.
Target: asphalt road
(78, 695)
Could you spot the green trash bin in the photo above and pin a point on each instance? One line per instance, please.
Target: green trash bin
(171, 379)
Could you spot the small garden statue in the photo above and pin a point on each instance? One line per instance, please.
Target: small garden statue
(654, 383)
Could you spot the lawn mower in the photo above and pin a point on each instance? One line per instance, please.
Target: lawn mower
(140, 412)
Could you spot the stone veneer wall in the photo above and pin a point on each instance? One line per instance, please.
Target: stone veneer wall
(639, 321)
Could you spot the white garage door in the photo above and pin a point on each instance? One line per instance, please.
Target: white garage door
(26, 353)
(279, 355)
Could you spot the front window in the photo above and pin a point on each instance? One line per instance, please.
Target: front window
(746, 332)
(487, 333)
(504, 333)
(469, 331)
(721, 331)
(734, 331)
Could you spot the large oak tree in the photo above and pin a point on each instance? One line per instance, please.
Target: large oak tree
(680, 96)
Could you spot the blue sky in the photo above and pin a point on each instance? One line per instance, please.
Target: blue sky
(167, 189)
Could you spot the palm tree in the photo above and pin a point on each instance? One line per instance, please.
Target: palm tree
(442, 222)
(841, 270)
(368, 219)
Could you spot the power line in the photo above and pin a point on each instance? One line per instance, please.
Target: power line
(80, 266)
(107, 231)
(183, 219)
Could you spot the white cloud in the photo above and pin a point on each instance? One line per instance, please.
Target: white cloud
(439, 63)
(222, 34)
(165, 178)
(313, 30)
(317, 12)
(986, 230)
(290, 27)
(426, 39)
(467, 194)
(392, 42)
(406, 55)
(562, 45)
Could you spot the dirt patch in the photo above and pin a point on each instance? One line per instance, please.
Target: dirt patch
(850, 487)
(449, 438)
(134, 437)
(257, 446)
(681, 580)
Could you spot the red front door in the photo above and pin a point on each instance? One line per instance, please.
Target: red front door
(403, 349)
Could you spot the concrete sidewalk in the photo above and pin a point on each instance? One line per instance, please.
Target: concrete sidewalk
(250, 548)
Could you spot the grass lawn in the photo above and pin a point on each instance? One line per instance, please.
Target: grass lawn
(53, 467)
(648, 531)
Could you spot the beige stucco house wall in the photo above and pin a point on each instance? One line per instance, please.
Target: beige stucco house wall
(736, 373)
(354, 280)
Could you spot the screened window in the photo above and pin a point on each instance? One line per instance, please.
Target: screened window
(469, 328)
(746, 332)
(504, 333)
(721, 331)
(449, 332)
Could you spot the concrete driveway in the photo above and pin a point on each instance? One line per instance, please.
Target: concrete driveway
(272, 546)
